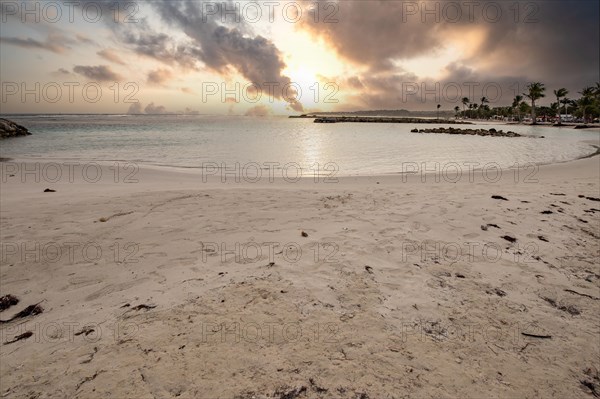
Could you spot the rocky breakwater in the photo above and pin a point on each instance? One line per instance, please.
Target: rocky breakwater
(378, 119)
(471, 132)
(11, 129)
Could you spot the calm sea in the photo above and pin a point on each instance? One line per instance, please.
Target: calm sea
(354, 148)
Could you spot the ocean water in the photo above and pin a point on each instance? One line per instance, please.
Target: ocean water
(350, 148)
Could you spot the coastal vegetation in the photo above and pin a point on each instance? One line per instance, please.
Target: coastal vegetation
(586, 108)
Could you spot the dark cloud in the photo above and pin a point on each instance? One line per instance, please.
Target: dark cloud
(161, 47)
(48, 45)
(220, 47)
(551, 41)
(61, 73)
(101, 73)
(403, 90)
(373, 32)
(110, 55)
(223, 49)
(159, 76)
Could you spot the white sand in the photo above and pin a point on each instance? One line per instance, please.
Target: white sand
(423, 321)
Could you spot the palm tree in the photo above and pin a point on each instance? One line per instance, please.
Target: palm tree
(556, 108)
(438, 111)
(535, 91)
(465, 101)
(586, 100)
(565, 102)
(524, 107)
(516, 103)
(456, 110)
(484, 101)
(560, 93)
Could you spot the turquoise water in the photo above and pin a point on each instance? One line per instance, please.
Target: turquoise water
(354, 148)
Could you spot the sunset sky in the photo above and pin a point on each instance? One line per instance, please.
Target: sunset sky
(178, 56)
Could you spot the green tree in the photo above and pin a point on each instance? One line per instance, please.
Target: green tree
(517, 100)
(524, 107)
(456, 111)
(586, 100)
(465, 101)
(484, 101)
(559, 94)
(535, 91)
(566, 102)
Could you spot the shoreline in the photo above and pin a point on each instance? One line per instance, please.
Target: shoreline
(199, 169)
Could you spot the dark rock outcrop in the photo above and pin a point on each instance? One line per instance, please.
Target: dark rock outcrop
(472, 132)
(11, 129)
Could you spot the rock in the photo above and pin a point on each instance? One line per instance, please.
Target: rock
(11, 129)
(472, 132)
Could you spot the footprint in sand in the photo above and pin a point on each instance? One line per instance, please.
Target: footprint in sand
(110, 288)
(420, 227)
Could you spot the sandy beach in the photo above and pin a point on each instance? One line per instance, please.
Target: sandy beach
(180, 285)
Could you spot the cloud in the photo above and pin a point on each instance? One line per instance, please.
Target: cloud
(159, 76)
(222, 49)
(161, 47)
(61, 72)
(101, 73)
(383, 35)
(259, 110)
(110, 55)
(135, 108)
(531, 43)
(225, 49)
(85, 39)
(155, 109)
(187, 90)
(355, 82)
(29, 43)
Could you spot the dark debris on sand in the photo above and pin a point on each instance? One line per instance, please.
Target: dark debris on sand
(30, 310)
(25, 335)
(143, 306)
(509, 238)
(286, 393)
(7, 301)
